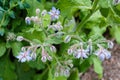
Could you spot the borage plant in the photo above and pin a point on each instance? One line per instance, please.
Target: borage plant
(60, 46)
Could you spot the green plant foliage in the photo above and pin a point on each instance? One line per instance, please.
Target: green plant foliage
(56, 39)
(7, 69)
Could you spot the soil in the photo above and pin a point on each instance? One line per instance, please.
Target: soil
(111, 67)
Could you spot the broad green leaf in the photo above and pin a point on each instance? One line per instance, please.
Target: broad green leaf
(117, 34)
(74, 75)
(2, 48)
(104, 4)
(84, 66)
(7, 69)
(11, 14)
(24, 72)
(37, 64)
(71, 6)
(60, 78)
(97, 65)
(53, 40)
(34, 4)
(104, 11)
(16, 47)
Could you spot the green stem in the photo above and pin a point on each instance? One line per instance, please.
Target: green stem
(81, 24)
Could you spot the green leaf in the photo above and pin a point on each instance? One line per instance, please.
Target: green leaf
(24, 72)
(46, 20)
(117, 33)
(34, 4)
(2, 31)
(7, 71)
(97, 65)
(74, 75)
(2, 48)
(104, 11)
(54, 40)
(11, 14)
(71, 6)
(20, 5)
(104, 4)
(16, 47)
(50, 75)
(60, 78)
(85, 64)
(36, 64)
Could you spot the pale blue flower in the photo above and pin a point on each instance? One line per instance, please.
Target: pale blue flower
(103, 54)
(54, 13)
(81, 53)
(24, 56)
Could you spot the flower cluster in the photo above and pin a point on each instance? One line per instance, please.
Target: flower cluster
(56, 27)
(102, 53)
(78, 51)
(26, 54)
(64, 70)
(10, 36)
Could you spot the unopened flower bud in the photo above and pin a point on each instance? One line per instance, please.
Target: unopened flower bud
(71, 65)
(37, 11)
(44, 59)
(56, 74)
(66, 73)
(19, 38)
(28, 20)
(23, 49)
(53, 49)
(70, 51)
(67, 39)
(110, 44)
(49, 58)
(44, 12)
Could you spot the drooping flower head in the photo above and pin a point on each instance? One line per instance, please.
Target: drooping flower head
(103, 53)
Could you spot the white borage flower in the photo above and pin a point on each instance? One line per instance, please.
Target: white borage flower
(19, 38)
(54, 13)
(103, 54)
(24, 56)
(28, 20)
(110, 44)
(53, 49)
(81, 53)
(37, 11)
(67, 39)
